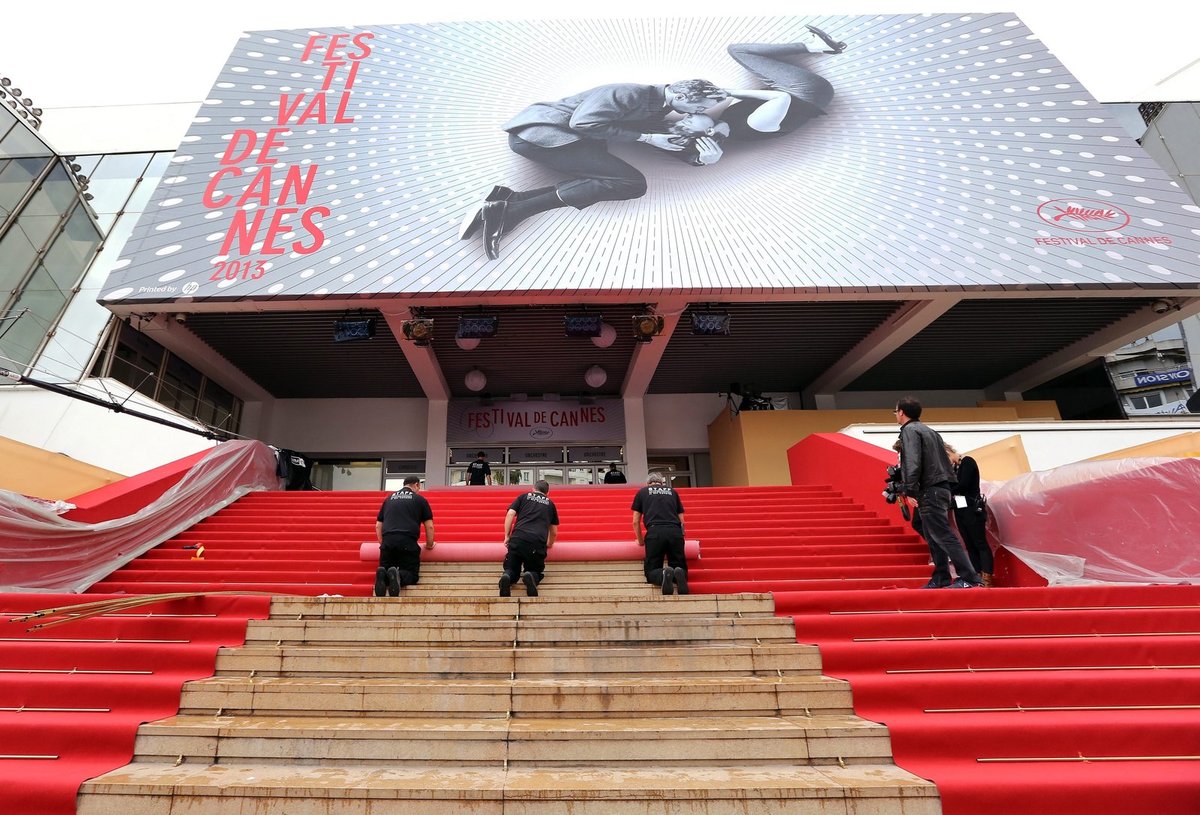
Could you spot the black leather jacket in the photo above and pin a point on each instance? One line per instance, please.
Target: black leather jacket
(923, 459)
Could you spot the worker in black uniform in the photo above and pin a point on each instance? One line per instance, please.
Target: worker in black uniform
(614, 476)
(479, 472)
(658, 508)
(530, 527)
(397, 528)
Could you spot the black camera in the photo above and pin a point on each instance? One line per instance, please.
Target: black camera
(893, 489)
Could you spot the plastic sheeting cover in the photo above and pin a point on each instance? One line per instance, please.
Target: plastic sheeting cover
(39, 551)
(1122, 521)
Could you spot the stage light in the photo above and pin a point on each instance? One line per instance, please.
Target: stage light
(583, 325)
(348, 330)
(477, 327)
(710, 323)
(420, 331)
(646, 327)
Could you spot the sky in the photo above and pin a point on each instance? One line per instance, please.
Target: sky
(129, 75)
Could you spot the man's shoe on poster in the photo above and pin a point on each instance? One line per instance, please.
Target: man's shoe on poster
(474, 219)
(530, 584)
(834, 46)
(493, 227)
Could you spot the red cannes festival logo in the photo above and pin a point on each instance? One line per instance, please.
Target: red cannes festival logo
(1083, 215)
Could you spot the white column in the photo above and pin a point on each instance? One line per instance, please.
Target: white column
(636, 466)
(435, 442)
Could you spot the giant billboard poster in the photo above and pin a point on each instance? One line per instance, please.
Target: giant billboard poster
(715, 155)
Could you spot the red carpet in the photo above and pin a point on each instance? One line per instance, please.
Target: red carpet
(972, 684)
(110, 673)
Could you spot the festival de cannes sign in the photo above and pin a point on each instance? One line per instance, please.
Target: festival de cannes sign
(741, 154)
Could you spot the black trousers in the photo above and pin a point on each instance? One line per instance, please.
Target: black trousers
(972, 526)
(525, 555)
(663, 541)
(935, 524)
(404, 553)
(600, 176)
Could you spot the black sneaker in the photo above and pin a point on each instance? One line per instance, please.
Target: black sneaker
(393, 581)
(530, 584)
(505, 585)
(933, 584)
(381, 582)
(964, 584)
(680, 580)
(668, 581)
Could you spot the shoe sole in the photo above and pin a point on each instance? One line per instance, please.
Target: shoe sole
(668, 582)
(530, 584)
(505, 586)
(393, 579)
(380, 584)
(681, 586)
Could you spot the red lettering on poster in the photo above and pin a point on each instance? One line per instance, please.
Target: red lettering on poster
(267, 205)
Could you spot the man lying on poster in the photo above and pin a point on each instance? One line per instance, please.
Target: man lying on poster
(571, 135)
(794, 96)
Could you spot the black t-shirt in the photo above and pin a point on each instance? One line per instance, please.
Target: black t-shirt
(659, 505)
(535, 515)
(478, 470)
(614, 477)
(403, 512)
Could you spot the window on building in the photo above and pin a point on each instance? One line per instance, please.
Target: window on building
(135, 360)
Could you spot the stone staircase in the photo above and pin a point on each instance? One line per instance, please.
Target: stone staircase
(599, 697)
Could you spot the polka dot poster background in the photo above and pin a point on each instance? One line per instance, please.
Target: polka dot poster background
(957, 152)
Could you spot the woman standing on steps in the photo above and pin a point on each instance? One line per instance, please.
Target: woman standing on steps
(970, 513)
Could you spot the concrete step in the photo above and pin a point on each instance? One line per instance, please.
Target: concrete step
(480, 698)
(243, 789)
(601, 604)
(432, 661)
(682, 740)
(580, 631)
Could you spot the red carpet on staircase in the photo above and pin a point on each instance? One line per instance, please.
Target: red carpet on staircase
(72, 696)
(1076, 701)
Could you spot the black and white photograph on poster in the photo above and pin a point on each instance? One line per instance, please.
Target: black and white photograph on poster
(571, 135)
(732, 154)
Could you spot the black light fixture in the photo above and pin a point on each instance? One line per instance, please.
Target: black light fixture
(710, 323)
(647, 326)
(477, 327)
(583, 325)
(349, 329)
(419, 330)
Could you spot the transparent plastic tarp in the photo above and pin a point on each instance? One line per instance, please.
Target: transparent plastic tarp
(1131, 520)
(40, 551)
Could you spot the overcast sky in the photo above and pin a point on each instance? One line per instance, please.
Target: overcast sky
(129, 74)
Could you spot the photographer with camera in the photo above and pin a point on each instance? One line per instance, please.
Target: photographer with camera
(927, 477)
(970, 514)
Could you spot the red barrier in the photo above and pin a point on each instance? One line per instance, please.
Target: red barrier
(564, 551)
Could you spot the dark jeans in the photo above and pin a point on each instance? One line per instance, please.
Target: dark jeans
(935, 524)
(972, 526)
(663, 541)
(600, 176)
(405, 554)
(526, 555)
